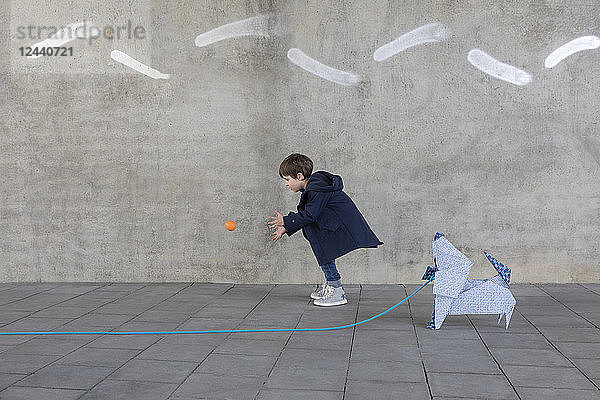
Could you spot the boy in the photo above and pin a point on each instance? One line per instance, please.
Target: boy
(329, 221)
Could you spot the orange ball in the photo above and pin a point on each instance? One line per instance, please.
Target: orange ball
(230, 225)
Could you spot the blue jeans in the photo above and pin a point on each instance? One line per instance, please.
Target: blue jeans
(331, 274)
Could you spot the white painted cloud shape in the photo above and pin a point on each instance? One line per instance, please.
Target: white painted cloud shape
(255, 26)
(136, 65)
(488, 64)
(326, 72)
(574, 46)
(63, 36)
(434, 32)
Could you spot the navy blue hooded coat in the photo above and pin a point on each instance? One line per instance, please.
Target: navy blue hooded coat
(329, 219)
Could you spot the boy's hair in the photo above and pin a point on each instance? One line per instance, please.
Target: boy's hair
(295, 163)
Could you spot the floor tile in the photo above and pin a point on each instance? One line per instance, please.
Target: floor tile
(217, 387)
(549, 377)
(33, 393)
(130, 390)
(155, 371)
(359, 390)
(67, 377)
(471, 385)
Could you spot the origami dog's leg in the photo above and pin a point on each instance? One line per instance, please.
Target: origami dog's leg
(500, 318)
(441, 309)
(508, 315)
(431, 324)
(507, 303)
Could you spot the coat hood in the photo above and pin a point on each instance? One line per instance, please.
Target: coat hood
(323, 181)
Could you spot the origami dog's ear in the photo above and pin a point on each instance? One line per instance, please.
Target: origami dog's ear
(437, 236)
(429, 273)
(502, 269)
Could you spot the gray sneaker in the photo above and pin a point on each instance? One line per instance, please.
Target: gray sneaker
(319, 291)
(332, 297)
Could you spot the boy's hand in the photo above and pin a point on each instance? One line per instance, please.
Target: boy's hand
(277, 233)
(276, 221)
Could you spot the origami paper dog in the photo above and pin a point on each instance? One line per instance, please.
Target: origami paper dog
(454, 294)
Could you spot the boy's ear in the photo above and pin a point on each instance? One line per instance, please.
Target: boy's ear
(299, 176)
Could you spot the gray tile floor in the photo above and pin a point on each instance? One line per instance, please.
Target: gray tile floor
(550, 351)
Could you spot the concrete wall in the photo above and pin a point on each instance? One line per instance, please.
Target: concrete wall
(110, 175)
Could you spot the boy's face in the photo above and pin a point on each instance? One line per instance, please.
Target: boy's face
(295, 184)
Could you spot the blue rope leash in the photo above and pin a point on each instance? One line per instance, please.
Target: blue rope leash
(333, 328)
